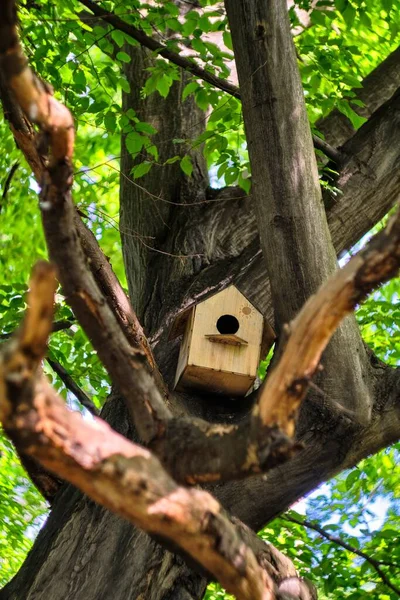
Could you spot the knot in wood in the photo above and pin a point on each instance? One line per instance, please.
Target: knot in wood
(260, 31)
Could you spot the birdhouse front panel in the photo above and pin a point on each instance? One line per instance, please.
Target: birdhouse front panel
(221, 346)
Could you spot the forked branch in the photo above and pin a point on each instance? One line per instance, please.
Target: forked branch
(126, 365)
(120, 475)
(266, 438)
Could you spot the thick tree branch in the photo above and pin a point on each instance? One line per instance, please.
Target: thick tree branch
(376, 564)
(369, 180)
(116, 298)
(311, 330)
(295, 241)
(264, 440)
(113, 471)
(188, 65)
(125, 364)
(377, 88)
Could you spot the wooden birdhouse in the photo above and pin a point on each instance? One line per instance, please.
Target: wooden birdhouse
(224, 337)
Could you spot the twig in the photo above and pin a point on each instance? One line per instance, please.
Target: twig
(7, 183)
(332, 538)
(161, 49)
(57, 326)
(72, 386)
(62, 325)
(188, 65)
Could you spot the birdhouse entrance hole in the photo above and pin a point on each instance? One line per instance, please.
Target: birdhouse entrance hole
(227, 324)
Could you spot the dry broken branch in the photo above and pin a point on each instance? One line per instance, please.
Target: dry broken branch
(121, 475)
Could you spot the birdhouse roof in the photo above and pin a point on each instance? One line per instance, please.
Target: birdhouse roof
(179, 323)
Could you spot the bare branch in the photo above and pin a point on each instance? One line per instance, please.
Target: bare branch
(188, 65)
(72, 386)
(45, 482)
(376, 564)
(127, 366)
(61, 325)
(7, 183)
(57, 326)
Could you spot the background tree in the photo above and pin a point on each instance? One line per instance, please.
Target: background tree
(180, 238)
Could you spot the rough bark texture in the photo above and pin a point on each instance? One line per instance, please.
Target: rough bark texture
(91, 553)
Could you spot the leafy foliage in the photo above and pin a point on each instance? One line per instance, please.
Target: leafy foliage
(22, 511)
(84, 60)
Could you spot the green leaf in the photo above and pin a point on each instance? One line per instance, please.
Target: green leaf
(349, 15)
(172, 160)
(163, 85)
(110, 121)
(189, 89)
(186, 165)
(141, 169)
(351, 478)
(134, 142)
(145, 128)
(79, 77)
(226, 36)
(345, 108)
(387, 5)
(125, 86)
(123, 57)
(202, 100)
(118, 37)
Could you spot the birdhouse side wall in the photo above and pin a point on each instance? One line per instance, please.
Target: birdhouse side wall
(185, 346)
(242, 360)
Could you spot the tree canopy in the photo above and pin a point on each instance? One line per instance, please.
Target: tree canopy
(344, 538)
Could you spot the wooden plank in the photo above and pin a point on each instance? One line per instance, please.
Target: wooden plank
(185, 346)
(226, 338)
(179, 325)
(220, 382)
(243, 360)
